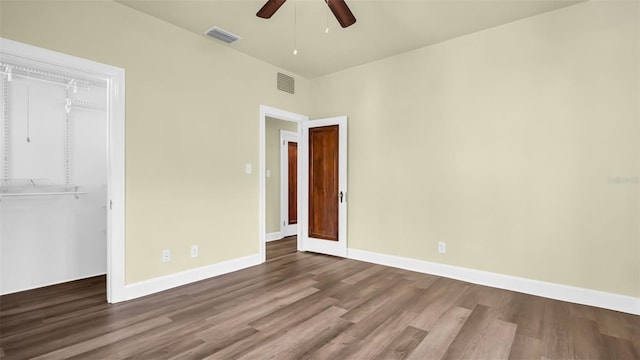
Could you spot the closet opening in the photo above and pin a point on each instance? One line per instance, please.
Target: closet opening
(58, 156)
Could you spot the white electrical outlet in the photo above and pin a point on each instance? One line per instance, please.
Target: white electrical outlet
(442, 247)
(166, 255)
(194, 251)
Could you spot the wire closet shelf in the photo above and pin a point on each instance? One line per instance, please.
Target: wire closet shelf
(20, 188)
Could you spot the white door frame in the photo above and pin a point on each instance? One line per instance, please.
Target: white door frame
(285, 138)
(266, 111)
(114, 77)
(306, 243)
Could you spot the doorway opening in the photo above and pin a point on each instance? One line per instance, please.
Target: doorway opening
(273, 224)
(281, 176)
(327, 204)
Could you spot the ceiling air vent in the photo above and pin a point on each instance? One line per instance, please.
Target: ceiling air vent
(286, 83)
(222, 35)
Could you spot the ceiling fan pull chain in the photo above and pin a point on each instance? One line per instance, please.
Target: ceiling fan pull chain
(295, 28)
(326, 29)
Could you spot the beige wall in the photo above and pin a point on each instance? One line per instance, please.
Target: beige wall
(517, 146)
(272, 159)
(192, 109)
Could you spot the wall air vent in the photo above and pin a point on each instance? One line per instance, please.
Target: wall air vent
(222, 35)
(286, 83)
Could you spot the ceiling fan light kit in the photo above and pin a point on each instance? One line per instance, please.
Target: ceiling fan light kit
(339, 9)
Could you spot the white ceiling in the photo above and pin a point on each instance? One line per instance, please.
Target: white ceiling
(383, 28)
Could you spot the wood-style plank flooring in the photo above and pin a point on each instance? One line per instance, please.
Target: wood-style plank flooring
(282, 247)
(309, 306)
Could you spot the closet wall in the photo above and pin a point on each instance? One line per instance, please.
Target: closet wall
(53, 195)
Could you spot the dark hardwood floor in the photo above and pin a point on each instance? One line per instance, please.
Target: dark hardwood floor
(304, 305)
(286, 246)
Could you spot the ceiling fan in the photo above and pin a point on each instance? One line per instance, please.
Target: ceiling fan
(338, 7)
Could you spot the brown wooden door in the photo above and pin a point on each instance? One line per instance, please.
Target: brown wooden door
(323, 182)
(292, 159)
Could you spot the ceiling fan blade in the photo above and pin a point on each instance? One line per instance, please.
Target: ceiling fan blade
(342, 12)
(269, 8)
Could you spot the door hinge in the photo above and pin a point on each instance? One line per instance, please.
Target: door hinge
(284, 223)
(283, 142)
(110, 204)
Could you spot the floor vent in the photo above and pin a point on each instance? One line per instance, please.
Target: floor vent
(222, 35)
(286, 83)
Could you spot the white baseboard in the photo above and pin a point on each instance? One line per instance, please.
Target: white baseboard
(627, 304)
(162, 283)
(273, 236)
(289, 230)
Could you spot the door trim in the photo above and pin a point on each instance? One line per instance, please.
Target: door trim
(286, 137)
(115, 78)
(266, 111)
